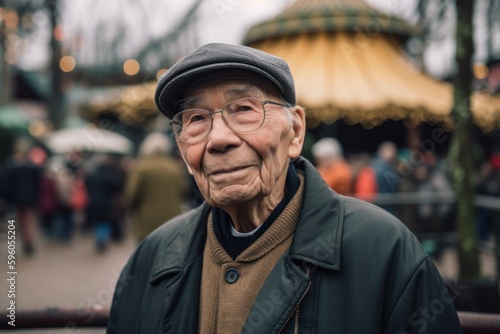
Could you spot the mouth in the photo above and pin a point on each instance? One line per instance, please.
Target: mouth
(227, 170)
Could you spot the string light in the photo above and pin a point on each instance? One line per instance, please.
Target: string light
(131, 67)
(480, 71)
(67, 63)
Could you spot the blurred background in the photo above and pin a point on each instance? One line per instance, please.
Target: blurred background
(403, 110)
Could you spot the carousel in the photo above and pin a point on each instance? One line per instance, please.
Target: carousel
(350, 73)
(131, 105)
(348, 64)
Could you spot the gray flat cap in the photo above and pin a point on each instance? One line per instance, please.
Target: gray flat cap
(215, 57)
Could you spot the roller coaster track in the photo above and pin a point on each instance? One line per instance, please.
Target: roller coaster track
(163, 50)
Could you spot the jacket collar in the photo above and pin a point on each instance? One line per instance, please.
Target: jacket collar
(183, 247)
(317, 239)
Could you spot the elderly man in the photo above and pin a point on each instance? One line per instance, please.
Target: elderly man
(273, 249)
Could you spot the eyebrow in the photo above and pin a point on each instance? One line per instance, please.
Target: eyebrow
(230, 94)
(189, 102)
(238, 92)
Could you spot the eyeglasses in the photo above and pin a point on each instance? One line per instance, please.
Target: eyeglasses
(241, 116)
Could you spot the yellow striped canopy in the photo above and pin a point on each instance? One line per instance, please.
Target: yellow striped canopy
(344, 70)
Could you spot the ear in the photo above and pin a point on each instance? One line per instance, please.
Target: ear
(299, 131)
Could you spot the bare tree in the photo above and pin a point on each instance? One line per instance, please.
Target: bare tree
(56, 98)
(432, 22)
(17, 20)
(492, 19)
(19, 23)
(5, 69)
(462, 143)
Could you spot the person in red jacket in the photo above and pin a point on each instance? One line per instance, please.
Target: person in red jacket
(332, 166)
(364, 177)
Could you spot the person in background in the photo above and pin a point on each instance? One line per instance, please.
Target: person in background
(3, 192)
(409, 184)
(118, 217)
(364, 177)
(388, 179)
(432, 217)
(64, 176)
(101, 185)
(49, 203)
(332, 166)
(79, 198)
(488, 220)
(24, 181)
(273, 249)
(156, 188)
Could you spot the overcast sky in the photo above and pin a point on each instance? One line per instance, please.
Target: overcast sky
(88, 21)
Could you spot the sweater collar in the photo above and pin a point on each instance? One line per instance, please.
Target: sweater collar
(222, 222)
(279, 230)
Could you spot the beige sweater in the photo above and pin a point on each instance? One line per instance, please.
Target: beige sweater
(227, 297)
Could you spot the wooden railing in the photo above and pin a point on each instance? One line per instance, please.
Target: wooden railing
(71, 319)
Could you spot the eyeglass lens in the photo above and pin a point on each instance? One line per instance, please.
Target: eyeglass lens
(243, 115)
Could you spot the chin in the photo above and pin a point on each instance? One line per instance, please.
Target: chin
(232, 199)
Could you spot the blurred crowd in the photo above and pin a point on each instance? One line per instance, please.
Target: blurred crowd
(106, 195)
(110, 196)
(393, 171)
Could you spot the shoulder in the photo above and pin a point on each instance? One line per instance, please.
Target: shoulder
(359, 211)
(174, 236)
(378, 235)
(179, 225)
(368, 220)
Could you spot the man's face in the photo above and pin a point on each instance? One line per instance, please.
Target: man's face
(233, 169)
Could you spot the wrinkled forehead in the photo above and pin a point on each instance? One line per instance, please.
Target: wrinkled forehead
(245, 83)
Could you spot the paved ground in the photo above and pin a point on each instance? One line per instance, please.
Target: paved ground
(62, 275)
(75, 275)
(69, 275)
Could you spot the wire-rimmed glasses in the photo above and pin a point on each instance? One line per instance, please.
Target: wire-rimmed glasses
(242, 116)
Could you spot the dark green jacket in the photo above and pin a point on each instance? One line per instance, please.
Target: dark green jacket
(351, 268)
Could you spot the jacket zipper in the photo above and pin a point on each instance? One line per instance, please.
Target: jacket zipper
(296, 310)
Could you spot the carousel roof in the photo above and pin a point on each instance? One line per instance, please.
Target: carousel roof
(132, 104)
(346, 65)
(341, 70)
(360, 83)
(312, 16)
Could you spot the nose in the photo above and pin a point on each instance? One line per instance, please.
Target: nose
(221, 138)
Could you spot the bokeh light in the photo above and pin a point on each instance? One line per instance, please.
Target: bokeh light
(131, 67)
(37, 128)
(67, 64)
(480, 71)
(59, 33)
(160, 72)
(11, 20)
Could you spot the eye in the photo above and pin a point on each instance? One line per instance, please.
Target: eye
(242, 106)
(197, 118)
(193, 116)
